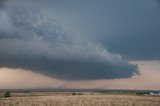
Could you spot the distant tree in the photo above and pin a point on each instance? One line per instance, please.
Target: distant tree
(7, 94)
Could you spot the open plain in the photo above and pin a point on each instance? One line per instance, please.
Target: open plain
(79, 99)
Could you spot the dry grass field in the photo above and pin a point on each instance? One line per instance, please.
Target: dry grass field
(65, 99)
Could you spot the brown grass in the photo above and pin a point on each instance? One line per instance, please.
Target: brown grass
(81, 100)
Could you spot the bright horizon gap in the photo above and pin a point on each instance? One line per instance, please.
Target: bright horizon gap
(147, 80)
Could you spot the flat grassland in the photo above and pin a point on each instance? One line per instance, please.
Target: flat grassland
(87, 99)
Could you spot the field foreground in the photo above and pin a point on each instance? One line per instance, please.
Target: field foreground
(81, 100)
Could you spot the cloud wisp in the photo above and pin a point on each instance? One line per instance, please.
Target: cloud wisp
(31, 41)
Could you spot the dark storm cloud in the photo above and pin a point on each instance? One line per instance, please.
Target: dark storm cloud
(29, 40)
(128, 27)
(157, 1)
(2, 3)
(137, 31)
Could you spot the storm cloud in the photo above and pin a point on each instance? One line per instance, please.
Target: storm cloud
(2, 3)
(29, 40)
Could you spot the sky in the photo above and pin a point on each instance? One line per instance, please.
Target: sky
(101, 42)
(147, 80)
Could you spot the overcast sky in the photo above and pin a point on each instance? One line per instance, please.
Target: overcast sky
(128, 27)
(79, 39)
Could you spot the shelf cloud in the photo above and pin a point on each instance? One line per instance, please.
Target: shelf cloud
(29, 40)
